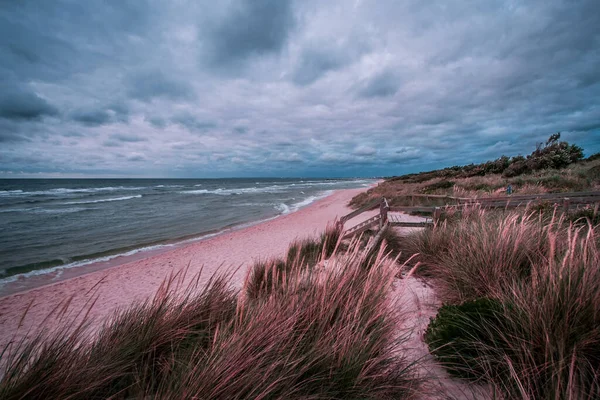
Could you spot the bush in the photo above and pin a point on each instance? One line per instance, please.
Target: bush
(593, 157)
(463, 337)
(516, 168)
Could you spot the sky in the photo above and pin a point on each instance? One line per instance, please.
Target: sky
(283, 88)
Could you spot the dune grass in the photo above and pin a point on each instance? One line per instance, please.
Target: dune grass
(542, 274)
(323, 332)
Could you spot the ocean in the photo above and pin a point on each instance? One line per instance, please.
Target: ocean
(49, 225)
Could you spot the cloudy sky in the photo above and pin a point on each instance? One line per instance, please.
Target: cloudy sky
(195, 88)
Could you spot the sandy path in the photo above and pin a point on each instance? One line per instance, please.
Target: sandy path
(419, 303)
(122, 285)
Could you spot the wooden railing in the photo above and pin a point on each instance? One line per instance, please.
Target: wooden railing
(361, 210)
(382, 219)
(563, 200)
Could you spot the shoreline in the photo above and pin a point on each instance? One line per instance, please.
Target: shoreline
(121, 285)
(34, 279)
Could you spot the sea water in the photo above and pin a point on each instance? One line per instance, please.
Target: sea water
(51, 224)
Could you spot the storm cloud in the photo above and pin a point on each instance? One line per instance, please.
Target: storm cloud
(247, 28)
(23, 104)
(289, 87)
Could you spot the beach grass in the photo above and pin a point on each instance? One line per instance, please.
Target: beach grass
(537, 278)
(324, 332)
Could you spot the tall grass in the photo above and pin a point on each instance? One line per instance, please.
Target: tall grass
(325, 332)
(546, 275)
(553, 322)
(302, 255)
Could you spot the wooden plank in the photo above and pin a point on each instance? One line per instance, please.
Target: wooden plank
(361, 210)
(377, 239)
(546, 196)
(366, 222)
(411, 209)
(361, 227)
(410, 224)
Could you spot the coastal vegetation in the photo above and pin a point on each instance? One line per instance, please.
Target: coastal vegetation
(554, 166)
(296, 329)
(522, 302)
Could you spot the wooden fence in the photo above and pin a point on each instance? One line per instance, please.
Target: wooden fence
(564, 200)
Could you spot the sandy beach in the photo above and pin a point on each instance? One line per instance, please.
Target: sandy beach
(119, 286)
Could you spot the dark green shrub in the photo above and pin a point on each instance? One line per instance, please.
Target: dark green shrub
(516, 168)
(464, 338)
(595, 156)
(594, 173)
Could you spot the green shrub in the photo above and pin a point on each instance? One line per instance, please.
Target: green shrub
(462, 337)
(595, 156)
(594, 173)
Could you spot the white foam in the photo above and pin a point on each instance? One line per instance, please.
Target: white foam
(310, 200)
(37, 210)
(59, 191)
(10, 192)
(229, 192)
(283, 208)
(105, 200)
(76, 264)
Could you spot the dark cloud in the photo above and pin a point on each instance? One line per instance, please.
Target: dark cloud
(382, 84)
(317, 59)
(11, 137)
(157, 122)
(21, 103)
(249, 28)
(120, 111)
(111, 143)
(91, 117)
(136, 157)
(129, 138)
(315, 63)
(192, 123)
(50, 41)
(148, 85)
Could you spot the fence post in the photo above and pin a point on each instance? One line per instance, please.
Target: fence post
(566, 204)
(436, 214)
(383, 210)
